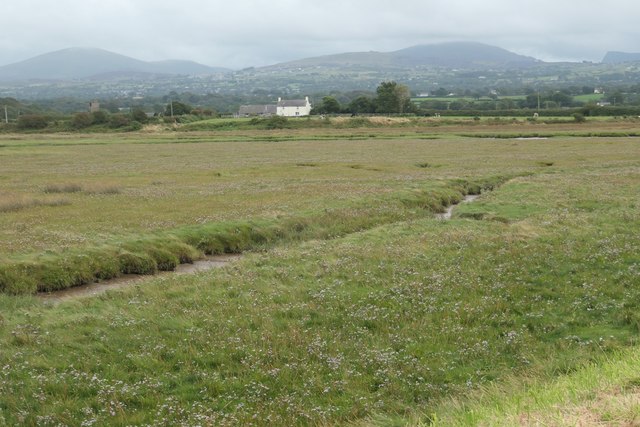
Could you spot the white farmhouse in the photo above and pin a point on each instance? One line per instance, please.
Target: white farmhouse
(293, 107)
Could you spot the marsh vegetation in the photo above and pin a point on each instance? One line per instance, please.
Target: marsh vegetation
(352, 303)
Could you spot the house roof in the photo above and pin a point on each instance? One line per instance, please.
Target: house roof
(257, 109)
(292, 103)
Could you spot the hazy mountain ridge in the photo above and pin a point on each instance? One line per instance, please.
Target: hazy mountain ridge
(463, 55)
(83, 63)
(614, 57)
(92, 63)
(93, 73)
(448, 55)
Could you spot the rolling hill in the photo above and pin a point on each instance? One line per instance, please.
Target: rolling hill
(90, 73)
(82, 63)
(446, 55)
(620, 57)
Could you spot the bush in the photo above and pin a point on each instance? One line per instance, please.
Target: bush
(119, 121)
(133, 126)
(276, 122)
(82, 120)
(32, 121)
(579, 117)
(100, 117)
(140, 116)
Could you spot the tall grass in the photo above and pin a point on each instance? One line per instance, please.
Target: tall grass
(63, 188)
(18, 203)
(604, 392)
(95, 188)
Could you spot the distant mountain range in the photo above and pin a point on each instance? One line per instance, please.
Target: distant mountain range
(620, 57)
(445, 55)
(101, 65)
(96, 64)
(98, 74)
(86, 63)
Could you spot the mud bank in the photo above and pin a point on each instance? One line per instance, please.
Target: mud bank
(93, 289)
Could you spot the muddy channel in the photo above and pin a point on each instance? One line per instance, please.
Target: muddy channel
(93, 289)
(205, 264)
(447, 214)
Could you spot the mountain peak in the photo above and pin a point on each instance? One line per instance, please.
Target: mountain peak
(471, 55)
(84, 62)
(462, 55)
(620, 57)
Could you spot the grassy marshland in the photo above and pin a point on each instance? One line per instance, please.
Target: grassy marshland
(323, 325)
(605, 392)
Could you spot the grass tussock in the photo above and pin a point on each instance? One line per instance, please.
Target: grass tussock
(544, 163)
(95, 188)
(63, 188)
(164, 251)
(18, 203)
(104, 189)
(424, 165)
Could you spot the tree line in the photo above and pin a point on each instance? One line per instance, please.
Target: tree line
(391, 98)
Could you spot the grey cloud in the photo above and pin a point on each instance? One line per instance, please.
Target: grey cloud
(251, 32)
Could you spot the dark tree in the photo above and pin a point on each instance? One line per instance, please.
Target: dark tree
(393, 98)
(562, 99)
(362, 104)
(616, 98)
(177, 108)
(441, 92)
(329, 105)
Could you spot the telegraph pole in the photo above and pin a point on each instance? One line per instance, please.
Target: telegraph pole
(6, 115)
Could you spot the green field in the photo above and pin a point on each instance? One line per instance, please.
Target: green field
(593, 97)
(351, 304)
(466, 98)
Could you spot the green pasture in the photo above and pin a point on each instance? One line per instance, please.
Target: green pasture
(352, 304)
(592, 97)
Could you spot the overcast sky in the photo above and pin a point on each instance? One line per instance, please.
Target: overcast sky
(242, 33)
